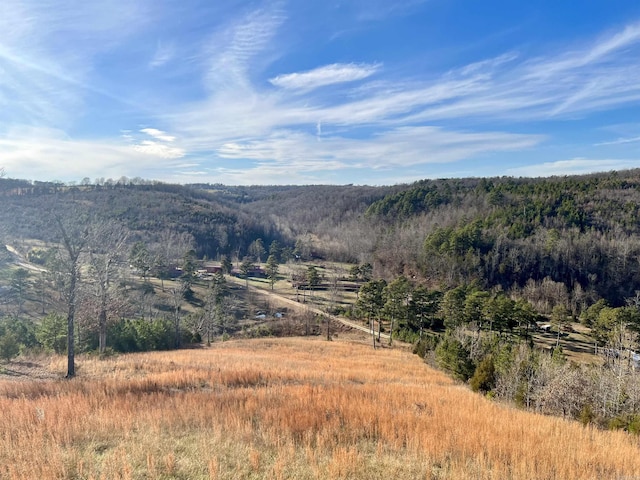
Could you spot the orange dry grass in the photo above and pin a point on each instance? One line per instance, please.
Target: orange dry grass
(287, 408)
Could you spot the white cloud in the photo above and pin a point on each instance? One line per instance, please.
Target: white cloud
(159, 134)
(46, 154)
(575, 166)
(370, 118)
(400, 147)
(580, 81)
(156, 149)
(620, 141)
(323, 76)
(600, 50)
(488, 65)
(230, 53)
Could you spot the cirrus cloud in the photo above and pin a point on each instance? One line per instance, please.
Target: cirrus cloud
(323, 76)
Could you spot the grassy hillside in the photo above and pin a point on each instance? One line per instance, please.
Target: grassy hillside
(285, 408)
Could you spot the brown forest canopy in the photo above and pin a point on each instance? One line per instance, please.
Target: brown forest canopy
(580, 231)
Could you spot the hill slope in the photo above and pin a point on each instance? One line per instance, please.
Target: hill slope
(286, 408)
(581, 232)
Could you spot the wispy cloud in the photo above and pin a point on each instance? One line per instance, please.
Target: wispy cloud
(620, 141)
(375, 10)
(159, 134)
(46, 54)
(399, 147)
(323, 76)
(164, 54)
(245, 106)
(575, 166)
(589, 78)
(278, 129)
(50, 154)
(231, 52)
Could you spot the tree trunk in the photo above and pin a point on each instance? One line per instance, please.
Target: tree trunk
(177, 325)
(373, 332)
(71, 367)
(328, 328)
(102, 330)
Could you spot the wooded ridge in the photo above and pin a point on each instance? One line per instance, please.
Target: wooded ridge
(468, 269)
(511, 233)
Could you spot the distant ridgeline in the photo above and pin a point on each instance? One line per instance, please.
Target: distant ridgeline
(10, 186)
(580, 234)
(146, 209)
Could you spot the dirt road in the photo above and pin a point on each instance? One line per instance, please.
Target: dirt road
(302, 307)
(22, 262)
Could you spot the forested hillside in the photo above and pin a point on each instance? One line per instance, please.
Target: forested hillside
(485, 276)
(580, 235)
(581, 232)
(147, 211)
(324, 220)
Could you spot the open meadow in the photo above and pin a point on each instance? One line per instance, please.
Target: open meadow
(284, 409)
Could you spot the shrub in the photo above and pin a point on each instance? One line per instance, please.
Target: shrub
(634, 424)
(22, 329)
(586, 415)
(9, 347)
(452, 356)
(141, 335)
(427, 344)
(630, 423)
(52, 333)
(483, 379)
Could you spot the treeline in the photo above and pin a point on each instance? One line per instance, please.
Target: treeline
(146, 210)
(19, 335)
(577, 234)
(409, 311)
(113, 311)
(512, 370)
(581, 232)
(486, 339)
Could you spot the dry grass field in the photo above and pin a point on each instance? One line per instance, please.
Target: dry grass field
(285, 409)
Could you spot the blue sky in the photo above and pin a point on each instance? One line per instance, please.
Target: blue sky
(310, 92)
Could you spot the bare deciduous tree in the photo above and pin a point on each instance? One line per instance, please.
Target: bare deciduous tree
(176, 292)
(74, 236)
(168, 251)
(106, 250)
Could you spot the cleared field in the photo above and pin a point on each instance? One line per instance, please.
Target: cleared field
(285, 409)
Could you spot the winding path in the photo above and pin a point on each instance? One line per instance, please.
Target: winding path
(302, 307)
(22, 262)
